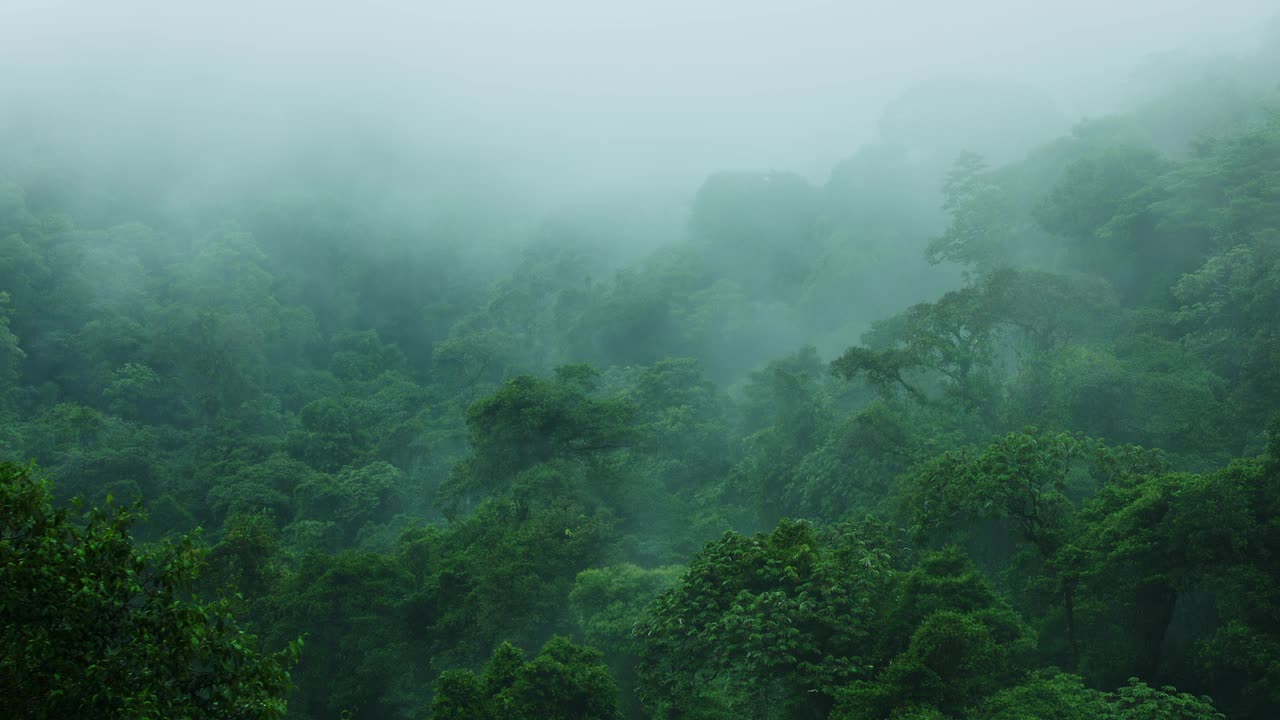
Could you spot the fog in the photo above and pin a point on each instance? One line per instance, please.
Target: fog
(772, 360)
(554, 100)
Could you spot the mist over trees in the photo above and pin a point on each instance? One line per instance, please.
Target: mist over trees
(325, 403)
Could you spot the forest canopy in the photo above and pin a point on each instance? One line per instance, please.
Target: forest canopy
(982, 424)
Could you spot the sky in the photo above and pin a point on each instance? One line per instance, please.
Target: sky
(580, 93)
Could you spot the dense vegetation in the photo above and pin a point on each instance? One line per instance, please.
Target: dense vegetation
(933, 440)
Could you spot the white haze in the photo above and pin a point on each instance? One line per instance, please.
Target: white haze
(550, 99)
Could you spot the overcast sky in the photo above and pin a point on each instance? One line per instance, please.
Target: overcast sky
(622, 87)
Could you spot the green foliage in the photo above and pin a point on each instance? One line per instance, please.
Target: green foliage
(1138, 701)
(352, 607)
(564, 682)
(363, 356)
(350, 498)
(268, 484)
(1047, 695)
(980, 233)
(610, 601)
(460, 696)
(10, 352)
(945, 640)
(1098, 207)
(333, 433)
(775, 622)
(415, 432)
(1223, 313)
(94, 626)
(530, 421)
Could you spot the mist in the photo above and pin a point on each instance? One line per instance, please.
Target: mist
(556, 100)
(779, 361)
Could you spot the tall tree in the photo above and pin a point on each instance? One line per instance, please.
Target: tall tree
(93, 626)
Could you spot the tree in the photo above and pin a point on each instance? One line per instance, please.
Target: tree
(564, 682)
(1138, 701)
(1101, 209)
(785, 417)
(1165, 542)
(948, 343)
(529, 421)
(609, 602)
(335, 431)
(93, 626)
(981, 232)
(11, 355)
(351, 605)
(945, 641)
(363, 356)
(1053, 695)
(350, 498)
(680, 416)
(765, 626)
(1223, 315)
(1025, 482)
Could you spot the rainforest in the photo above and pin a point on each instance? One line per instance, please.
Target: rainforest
(741, 360)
